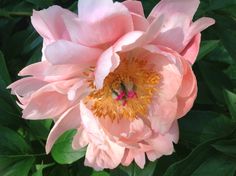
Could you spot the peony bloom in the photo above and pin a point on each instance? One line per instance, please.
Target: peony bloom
(120, 79)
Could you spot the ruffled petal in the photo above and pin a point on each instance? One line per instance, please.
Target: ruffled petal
(134, 7)
(107, 63)
(69, 120)
(48, 72)
(162, 114)
(111, 21)
(170, 7)
(49, 23)
(109, 155)
(65, 52)
(191, 50)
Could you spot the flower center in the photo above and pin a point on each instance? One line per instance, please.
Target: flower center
(127, 92)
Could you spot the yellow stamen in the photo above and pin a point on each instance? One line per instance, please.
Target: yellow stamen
(127, 92)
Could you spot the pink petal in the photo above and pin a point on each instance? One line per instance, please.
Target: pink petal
(134, 6)
(107, 63)
(110, 21)
(186, 103)
(162, 114)
(189, 82)
(49, 101)
(47, 104)
(162, 144)
(169, 68)
(179, 14)
(26, 86)
(91, 125)
(101, 152)
(87, 9)
(65, 52)
(80, 139)
(197, 27)
(108, 155)
(69, 120)
(140, 22)
(169, 7)
(153, 155)
(48, 72)
(140, 159)
(191, 50)
(148, 36)
(128, 157)
(49, 23)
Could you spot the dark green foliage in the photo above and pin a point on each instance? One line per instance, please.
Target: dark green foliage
(207, 145)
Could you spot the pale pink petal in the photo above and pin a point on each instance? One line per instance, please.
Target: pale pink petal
(128, 157)
(197, 27)
(179, 14)
(153, 155)
(140, 22)
(26, 86)
(65, 52)
(109, 155)
(49, 101)
(128, 39)
(107, 63)
(91, 125)
(186, 103)
(134, 6)
(189, 82)
(88, 9)
(162, 144)
(46, 105)
(173, 133)
(148, 36)
(191, 50)
(69, 120)
(80, 139)
(173, 32)
(140, 159)
(101, 152)
(110, 21)
(169, 7)
(49, 23)
(162, 114)
(48, 72)
(169, 68)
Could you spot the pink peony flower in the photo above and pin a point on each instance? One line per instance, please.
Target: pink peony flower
(120, 79)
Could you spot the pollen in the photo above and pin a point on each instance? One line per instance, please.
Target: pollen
(127, 92)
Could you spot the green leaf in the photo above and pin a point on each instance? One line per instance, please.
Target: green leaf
(188, 165)
(100, 173)
(148, 169)
(62, 151)
(15, 167)
(226, 32)
(218, 4)
(4, 75)
(134, 170)
(230, 98)
(209, 126)
(14, 154)
(227, 146)
(207, 47)
(216, 165)
(40, 128)
(215, 80)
